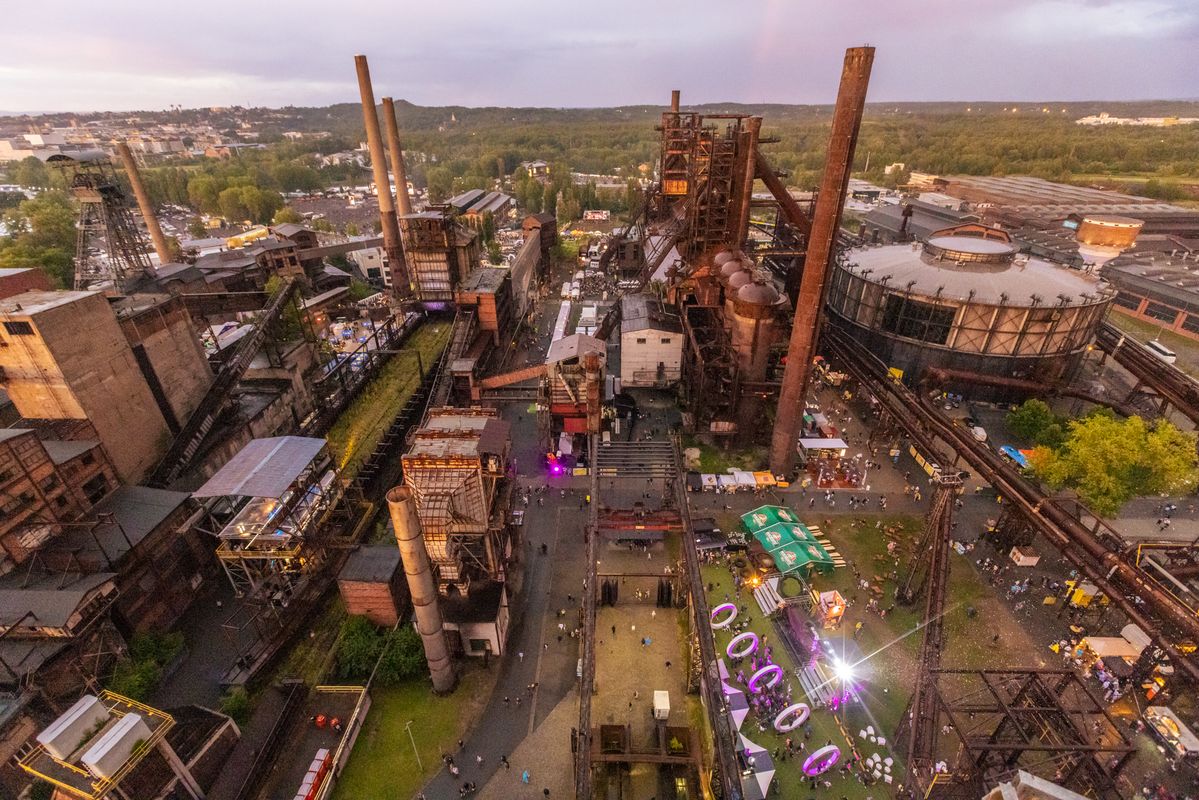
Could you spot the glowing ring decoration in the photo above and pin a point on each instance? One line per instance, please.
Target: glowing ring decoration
(720, 609)
(822, 760)
(747, 636)
(799, 711)
(776, 675)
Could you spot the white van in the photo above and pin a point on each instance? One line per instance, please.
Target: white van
(1161, 351)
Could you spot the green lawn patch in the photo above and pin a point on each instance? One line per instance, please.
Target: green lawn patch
(382, 765)
(354, 436)
(1187, 349)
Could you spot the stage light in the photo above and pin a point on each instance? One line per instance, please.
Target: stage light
(843, 671)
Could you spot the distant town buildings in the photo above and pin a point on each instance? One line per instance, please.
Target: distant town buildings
(1150, 122)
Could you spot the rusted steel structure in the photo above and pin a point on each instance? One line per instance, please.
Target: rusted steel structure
(143, 203)
(1141, 599)
(106, 219)
(988, 723)
(387, 212)
(847, 119)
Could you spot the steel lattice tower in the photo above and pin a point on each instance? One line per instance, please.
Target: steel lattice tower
(108, 245)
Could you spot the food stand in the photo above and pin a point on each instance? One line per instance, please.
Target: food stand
(1173, 732)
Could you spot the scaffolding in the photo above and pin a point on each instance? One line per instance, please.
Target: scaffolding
(274, 499)
(456, 467)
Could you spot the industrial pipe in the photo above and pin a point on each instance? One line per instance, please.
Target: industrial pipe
(143, 203)
(387, 213)
(398, 169)
(402, 506)
(847, 119)
(674, 101)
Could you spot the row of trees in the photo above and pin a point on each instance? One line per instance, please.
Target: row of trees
(1106, 459)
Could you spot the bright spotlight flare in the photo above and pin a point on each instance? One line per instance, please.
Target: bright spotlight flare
(843, 670)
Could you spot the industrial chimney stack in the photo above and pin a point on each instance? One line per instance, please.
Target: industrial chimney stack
(826, 221)
(387, 213)
(398, 170)
(674, 101)
(143, 203)
(402, 505)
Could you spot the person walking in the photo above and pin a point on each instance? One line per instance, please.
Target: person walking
(524, 776)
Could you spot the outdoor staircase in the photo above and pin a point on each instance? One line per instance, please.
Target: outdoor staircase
(187, 442)
(838, 559)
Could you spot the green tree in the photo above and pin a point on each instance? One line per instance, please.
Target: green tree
(1034, 421)
(31, 171)
(359, 648)
(196, 229)
(42, 235)
(288, 327)
(493, 252)
(440, 183)
(352, 229)
(403, 659)
(286, 215)
(1108, 461)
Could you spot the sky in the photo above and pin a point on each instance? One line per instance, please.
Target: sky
(72, 55)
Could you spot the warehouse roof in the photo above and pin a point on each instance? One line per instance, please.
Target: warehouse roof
(373, 564)
(62, 452)
(263, 468)
(573, 346)
(52, 599)
(643, 311)
(485, 279)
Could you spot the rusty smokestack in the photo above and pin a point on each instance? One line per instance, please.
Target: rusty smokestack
(402, 506)
(826, 221)
(398, 170)
(143, 203)
(387, 213)
(674, 101)
(593, 390)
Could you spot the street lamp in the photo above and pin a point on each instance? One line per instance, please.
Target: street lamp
(411, 738)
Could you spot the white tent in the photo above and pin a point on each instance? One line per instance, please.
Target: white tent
(1111, 647)
(726, 483)
(708, 480)
(738, 709)
(757, 785)
(1133, 633)
(745, 480)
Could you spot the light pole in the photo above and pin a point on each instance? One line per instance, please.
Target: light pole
(411, 738)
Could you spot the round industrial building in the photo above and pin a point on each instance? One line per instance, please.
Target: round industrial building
(967, 302)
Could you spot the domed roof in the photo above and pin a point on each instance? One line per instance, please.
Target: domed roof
(730, 268)
(759, 292)
(727, 255)
(740, 278)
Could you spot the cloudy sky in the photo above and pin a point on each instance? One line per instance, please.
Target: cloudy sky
(148, 54)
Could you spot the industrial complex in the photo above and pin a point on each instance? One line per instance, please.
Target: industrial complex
(599, 490)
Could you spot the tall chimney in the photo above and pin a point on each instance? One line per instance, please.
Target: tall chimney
(143, 202)
(674, 101)
(387, 213)
(826, 221)
(402, 506)
(403, 202)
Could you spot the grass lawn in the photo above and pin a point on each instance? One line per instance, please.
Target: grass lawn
(717, 460)
(382, 766)
(354, 436)
(890, 644)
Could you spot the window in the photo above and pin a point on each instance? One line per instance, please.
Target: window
(19, 328)
(1128, 300)
(641, 341)
(95, 489)
(915, 320)
(1161, 312)
(480, 645)
(666, 340)
(88, 459)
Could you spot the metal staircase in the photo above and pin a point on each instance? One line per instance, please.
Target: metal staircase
(187, 442)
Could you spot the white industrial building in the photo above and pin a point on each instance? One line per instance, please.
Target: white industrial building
(651, 343)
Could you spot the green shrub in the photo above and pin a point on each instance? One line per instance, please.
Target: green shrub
(236, 703)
